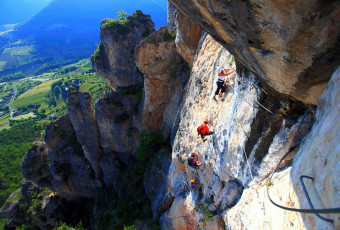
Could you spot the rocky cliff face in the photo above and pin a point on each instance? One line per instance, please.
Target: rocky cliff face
(61, 165)
(114, 60)
(188, 33)
(254, 126)
(292, 46)
(317, 157)
(245, 141)
(79, 107)
(165, 75)
(116, 115)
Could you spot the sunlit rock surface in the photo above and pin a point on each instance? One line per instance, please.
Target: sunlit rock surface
(247, 142)
(165, 76)
(292, 45)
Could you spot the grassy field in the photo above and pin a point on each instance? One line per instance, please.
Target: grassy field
(2, 64)
(49, 104)
(24, 116)
(20, 50)
(34, 96)
(4, 122)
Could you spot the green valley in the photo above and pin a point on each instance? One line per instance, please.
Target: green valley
(38, 100)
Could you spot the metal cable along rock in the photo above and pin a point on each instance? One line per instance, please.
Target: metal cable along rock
(312, 209)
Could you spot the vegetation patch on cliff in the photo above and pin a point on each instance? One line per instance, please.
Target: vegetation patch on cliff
(110, 23)
(96, 54)
(14, 144)
(120, 209)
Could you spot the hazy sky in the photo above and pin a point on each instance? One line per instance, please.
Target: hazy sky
(16, 11)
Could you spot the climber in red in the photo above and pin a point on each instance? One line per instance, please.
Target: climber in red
(203, 130)
(222, 81)
(193, 184)
(193, 161)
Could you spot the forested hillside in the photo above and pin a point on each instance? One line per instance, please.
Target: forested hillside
(65, 30)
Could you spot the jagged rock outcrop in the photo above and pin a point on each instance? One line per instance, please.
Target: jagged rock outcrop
(117, 122)
(165, 76)
(292, 46)
(155, 186)
(10, 209)
(71, 172)
(60, 164)
(35, 165)
(79, 107)
(188, 33)
(39, 208)
(22, 199)
(114, 60)
(171, 21)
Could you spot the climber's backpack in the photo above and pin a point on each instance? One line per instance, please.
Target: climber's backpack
(191, 161)
(200, 129)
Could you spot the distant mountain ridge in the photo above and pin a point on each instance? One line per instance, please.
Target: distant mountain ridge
(17, 11)
(67, 30)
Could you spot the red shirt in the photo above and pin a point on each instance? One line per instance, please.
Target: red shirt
(205, 129)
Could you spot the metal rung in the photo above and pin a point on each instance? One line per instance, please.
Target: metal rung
(308, 198)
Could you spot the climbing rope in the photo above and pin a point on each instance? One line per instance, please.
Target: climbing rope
(244, 151)
(262, 106)
(210, 91)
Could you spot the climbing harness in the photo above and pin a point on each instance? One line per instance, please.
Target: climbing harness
(210, 91)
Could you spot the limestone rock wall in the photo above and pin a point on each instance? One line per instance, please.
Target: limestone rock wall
(116, 115)
(115, 58)
(247, 143)
(71, 172)
(171, 16)
(60, 164)
(79, 107)
(292, 46)
(318, 157)
(165, 76)
(188, 33)
(253, 125)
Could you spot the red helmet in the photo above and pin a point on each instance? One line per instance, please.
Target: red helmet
(192, 181)
(192, 154)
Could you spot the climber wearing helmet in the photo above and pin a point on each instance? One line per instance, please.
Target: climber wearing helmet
(222, 81)
(193, 161)
(203, 130)
(193, 184)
